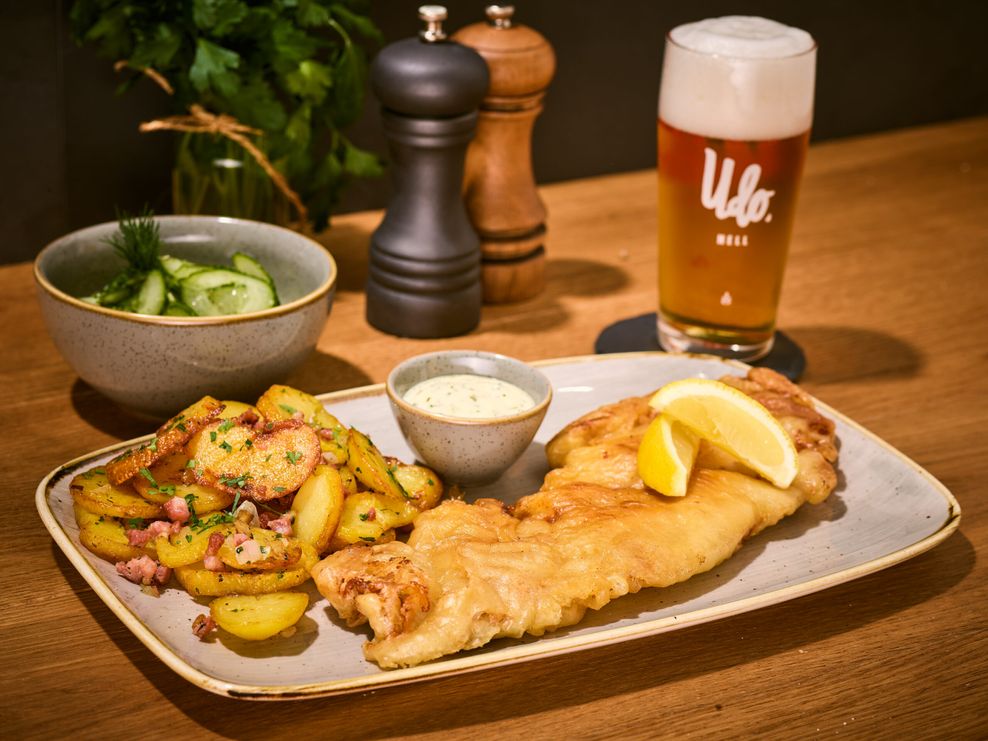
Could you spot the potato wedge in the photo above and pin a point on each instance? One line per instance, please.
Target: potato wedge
(285, 402)
(370, 468)
(256, 617)
(422, 485)
(368, 515)
(318, 506)
(171, 436)
(164, 480)
(237, 458)
(199, 581)
(188, 546)
(106, 537)
(93, 491)
(269, 551)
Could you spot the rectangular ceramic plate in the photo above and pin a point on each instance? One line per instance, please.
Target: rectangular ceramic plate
(885, 510)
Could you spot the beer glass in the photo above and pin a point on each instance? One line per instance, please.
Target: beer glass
(735, 107)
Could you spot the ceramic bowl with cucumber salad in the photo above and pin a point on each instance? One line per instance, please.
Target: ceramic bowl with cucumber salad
(225, 307)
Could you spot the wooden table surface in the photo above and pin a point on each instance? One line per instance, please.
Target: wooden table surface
(887, 292)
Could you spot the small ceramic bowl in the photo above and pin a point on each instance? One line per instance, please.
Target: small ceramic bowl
(468, 451)
(157, 365)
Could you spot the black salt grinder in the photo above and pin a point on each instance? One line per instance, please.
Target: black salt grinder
(424, 276)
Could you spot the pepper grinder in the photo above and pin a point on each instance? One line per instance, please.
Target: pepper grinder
(424, 273)
(499, 188)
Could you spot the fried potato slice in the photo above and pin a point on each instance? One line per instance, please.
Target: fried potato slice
(367, 516)
(93, 491)
(166, 479)
(171, 436)
(257, 617)
(269, 551)
(237, 458)
(370, 468)
(188, 546)
(318, 506)
(233, 409)
(348, 479)
(199, 581)
(107, 537)
(285, 402)
(422, 485)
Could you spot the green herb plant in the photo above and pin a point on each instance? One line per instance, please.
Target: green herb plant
(291, 68)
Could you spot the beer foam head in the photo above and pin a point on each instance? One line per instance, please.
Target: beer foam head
(738, 77)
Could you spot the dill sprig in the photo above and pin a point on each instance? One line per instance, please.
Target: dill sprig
(138, 240)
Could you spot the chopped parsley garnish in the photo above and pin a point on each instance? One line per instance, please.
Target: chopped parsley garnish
(286, 408)
(212, 436)
(226, 446)
(236, 481)
(278, 489)
(226, 425)
(153, 446)
(293, 456)
(135, 523)
(146, 473)
(191, 463)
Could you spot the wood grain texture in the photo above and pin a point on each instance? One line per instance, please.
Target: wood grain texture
(886, 293)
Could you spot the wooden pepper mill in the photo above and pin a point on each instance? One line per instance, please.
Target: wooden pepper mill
(499, 185)
(424, 272)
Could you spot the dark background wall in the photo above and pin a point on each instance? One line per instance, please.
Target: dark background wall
(71, 151)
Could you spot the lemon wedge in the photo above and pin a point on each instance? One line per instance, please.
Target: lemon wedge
(732, 421)
(666, 455)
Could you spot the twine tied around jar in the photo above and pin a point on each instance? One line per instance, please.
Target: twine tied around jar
(200, 121)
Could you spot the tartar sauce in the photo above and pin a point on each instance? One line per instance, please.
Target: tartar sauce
(470, 396)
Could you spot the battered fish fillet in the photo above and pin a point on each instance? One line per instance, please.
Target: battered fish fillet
(470, 573)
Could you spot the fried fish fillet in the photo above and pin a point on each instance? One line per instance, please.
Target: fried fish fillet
(470, 573)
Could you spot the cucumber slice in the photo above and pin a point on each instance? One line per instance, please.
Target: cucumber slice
(174, 307)
(250, 265)
(178, 268)
(216, 292)
(150, 299)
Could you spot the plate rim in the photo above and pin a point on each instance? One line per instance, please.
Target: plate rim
(508, 654)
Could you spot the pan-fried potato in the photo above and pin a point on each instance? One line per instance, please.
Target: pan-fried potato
(284, 402)
(318, 506)
(256, 617)
(265, 465)
(188, 546)
(422, 486)
(106, 537)
(233, 409)
(348, 479)
(93, 491)
(367, 515)
(199, 581)
(164, 480)
(272, 552)
(171, 436)
(370, 468)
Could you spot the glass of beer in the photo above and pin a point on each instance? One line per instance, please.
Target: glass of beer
(735, 107)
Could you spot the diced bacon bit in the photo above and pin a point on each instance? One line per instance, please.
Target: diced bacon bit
(177, 509)
(239, 538)
(140, 538)
(298, 416)
(202, 626)
(211, 561)
(250, 417)
(327, 433)
(144, 570)
(371, 514)
(282, 524)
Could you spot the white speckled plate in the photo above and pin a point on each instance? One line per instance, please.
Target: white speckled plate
(886, 510)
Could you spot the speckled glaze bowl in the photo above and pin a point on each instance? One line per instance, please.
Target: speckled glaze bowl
(468, 451)
(156, 365)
